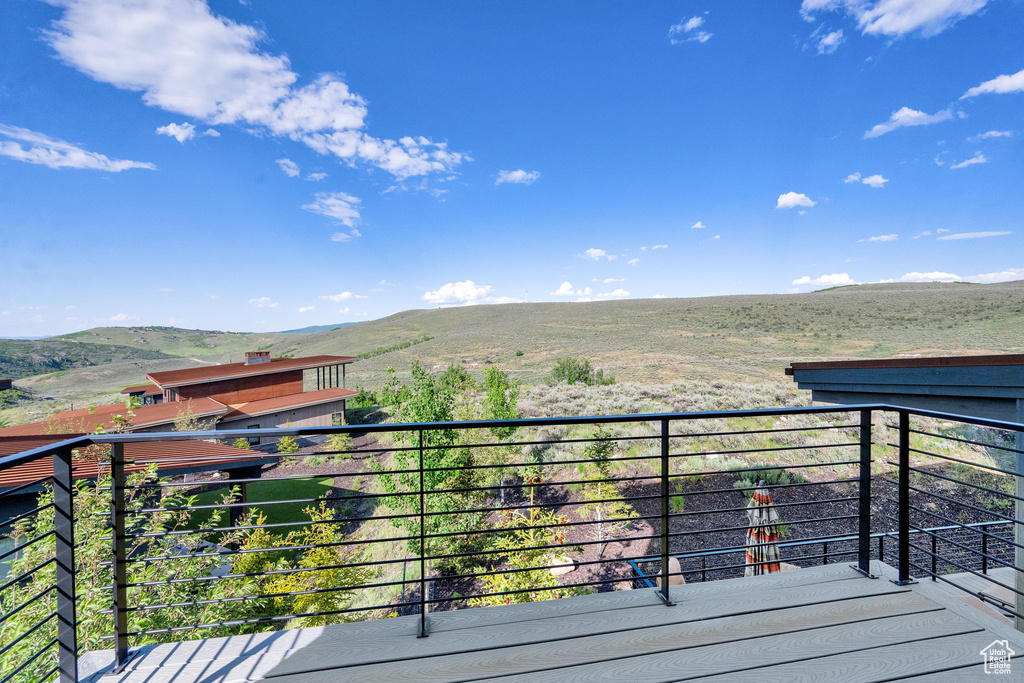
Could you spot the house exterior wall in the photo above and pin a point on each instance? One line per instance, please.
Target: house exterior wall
(243, 389)
(308, 416)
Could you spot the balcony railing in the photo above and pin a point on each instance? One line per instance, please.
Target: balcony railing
(480, 512)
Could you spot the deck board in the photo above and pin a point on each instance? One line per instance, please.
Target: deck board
(815, 624)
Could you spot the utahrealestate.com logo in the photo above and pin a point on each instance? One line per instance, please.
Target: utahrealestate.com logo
(997, 657)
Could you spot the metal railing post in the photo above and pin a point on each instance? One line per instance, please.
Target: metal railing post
(903, 513)
(984, 548)
(64, 528)
(424, 627)
(664, 593)
(120, 566)
(935, 555)
(864, 500)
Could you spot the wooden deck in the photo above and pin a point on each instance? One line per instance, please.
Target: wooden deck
(816, 624)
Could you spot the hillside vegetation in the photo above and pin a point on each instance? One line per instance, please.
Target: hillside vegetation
(738, 338)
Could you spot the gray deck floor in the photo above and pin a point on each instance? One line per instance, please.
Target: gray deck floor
(816, 624)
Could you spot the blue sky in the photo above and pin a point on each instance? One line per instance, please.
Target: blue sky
(265, 165)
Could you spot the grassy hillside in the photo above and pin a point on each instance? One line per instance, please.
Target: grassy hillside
(749, 338)
(740, 338)
(175, 341)
(23, 358)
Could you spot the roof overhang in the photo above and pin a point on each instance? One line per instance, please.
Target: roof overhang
(241, 370)
(979, 386)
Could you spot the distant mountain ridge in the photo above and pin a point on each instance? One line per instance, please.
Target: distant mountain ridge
(742, 337)
(313, 329)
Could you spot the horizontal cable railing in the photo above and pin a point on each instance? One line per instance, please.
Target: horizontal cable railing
(405, 519)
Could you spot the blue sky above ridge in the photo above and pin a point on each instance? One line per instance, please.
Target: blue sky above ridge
(260, 165)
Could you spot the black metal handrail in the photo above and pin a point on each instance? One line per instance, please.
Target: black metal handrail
(129, 546)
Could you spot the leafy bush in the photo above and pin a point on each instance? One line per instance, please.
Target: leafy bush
(572, 370)
(242, 442)
(340, 442)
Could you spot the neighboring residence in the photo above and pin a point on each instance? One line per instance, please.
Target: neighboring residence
(6, 384)
(261, 392)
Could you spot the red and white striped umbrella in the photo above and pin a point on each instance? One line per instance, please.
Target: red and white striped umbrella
(762, 536)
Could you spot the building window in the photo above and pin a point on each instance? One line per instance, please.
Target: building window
(254, 440)
(337, 419)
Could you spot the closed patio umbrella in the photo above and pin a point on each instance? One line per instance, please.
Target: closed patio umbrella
(762, 536)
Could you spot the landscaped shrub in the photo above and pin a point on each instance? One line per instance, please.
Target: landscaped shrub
(287, 444)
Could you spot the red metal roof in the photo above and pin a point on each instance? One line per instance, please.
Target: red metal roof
(928, 362)
(273, 405)
(168, 455)
(145, 389)
(85, 420)
(209, 373)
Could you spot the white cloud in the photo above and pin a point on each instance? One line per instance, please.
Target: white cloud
(659, 296)
(898, 17)
(1007, 275)
(793, 199)
(121, 317)
(876, 181)
(973, 235)
(881, 238)
(834, 280)
(464, 294)
(41, 149)
(344, 296)
(597, 254)
(307, 309)
(659, 246)
(941, 230)
(609, 280)
(633, 261)
(342, 207)
(565, 289)
(290, 168)
(263, 302)
(519, 177)
(344, 310)
(991, 134)
(829, 43)
(936, 276)
(904, 117)
(919, 235)
(978, 158)
(1002, 276)
(699, 225)
(617, 294)
(185, 59)
(999, 85)
(346, 236)
(179, 131)
(316, 176)
(684, 31)
(718, 237)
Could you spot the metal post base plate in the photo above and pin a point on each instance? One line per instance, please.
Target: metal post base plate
(863, 571)
(908, 582)
(667, 601)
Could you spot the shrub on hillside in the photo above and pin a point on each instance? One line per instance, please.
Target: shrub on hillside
(572, 370)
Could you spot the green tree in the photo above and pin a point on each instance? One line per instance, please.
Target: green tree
(501, 402)
(526, 546)
(572, 370)
(287, 444)
(609, 515)
(243, 443)
(226, 599)
(430, 400)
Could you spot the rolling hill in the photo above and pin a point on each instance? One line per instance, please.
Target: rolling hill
(744, 338)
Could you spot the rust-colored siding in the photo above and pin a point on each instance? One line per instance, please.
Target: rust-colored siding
(245, 389)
